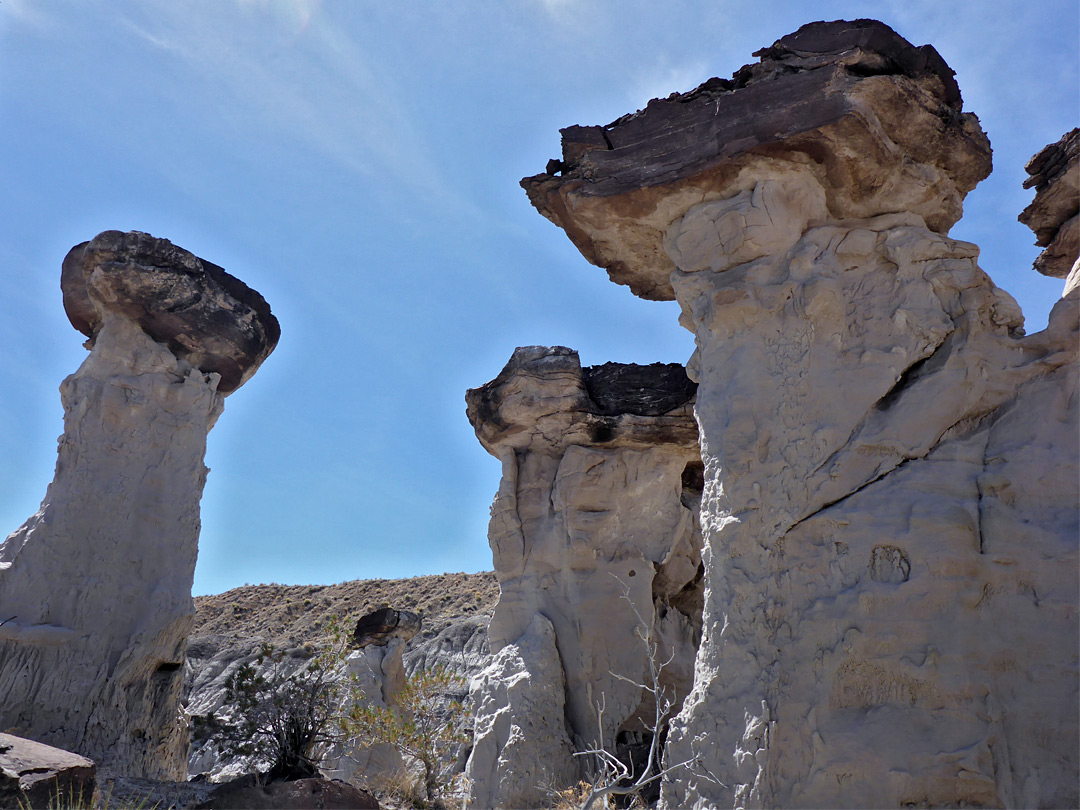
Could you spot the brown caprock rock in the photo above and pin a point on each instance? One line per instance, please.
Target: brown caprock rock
(95, 588)
(1054, 214)
(891, 486)
(876, 122)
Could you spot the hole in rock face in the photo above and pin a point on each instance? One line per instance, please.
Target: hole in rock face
(693, 477)
(602, 433)
(693, 483)
(632, 749)
(889, 564)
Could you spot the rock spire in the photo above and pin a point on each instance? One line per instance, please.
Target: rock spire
(891, 472)
(95, 588)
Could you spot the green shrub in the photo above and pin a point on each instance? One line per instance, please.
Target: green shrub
(424, 727)
(279, 712)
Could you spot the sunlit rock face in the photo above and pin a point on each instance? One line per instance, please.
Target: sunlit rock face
(596, 517)
(891, 486)
(95, 587)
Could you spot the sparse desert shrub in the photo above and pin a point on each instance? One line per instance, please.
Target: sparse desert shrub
(281, 712)
(424, 727)
(612, 778)
(286, 714)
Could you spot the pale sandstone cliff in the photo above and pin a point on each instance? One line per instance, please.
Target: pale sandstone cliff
(597, 505)
(890, 508)
(95, 588)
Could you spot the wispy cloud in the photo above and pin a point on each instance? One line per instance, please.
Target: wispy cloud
(283, 67)
(663, 77)
(563, 11)
(24, 12)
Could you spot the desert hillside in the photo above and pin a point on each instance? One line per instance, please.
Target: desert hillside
(297, 613)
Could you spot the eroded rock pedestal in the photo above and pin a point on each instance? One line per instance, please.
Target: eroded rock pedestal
(596, 516)
(95, 588)
(890, 506)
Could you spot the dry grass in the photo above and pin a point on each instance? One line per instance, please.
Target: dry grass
(293, 614)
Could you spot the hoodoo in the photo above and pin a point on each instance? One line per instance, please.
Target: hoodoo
(594, 533)
(890, 507)
(95, 588)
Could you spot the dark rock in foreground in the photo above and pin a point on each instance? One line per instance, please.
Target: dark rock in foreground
(34, 775)
(301, 794)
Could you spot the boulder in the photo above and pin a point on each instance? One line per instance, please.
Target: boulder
(875, 120)
(97, 666)
(33, 775)
(384, 624)
(889, 509)
(206, 317)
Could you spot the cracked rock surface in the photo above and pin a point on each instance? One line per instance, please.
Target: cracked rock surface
(95, 588)
(891, 474)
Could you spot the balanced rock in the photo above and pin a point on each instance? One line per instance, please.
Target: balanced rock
(891, 472)
(875, 121)
(594, 530)
(205, 316)
(96, 666)
(384, 624)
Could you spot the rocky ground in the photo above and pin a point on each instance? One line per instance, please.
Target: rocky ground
(230, 628)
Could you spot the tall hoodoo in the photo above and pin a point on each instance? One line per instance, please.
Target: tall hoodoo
(95, 588)
(596, 518)
(890, 510)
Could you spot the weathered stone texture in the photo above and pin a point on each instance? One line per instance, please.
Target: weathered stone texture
(891, 473)
(521, 747)
(597, 506)
(876, 121)
(205, 316)
(33, 775)
(1054, 214)
(96, 586)
(389, 651)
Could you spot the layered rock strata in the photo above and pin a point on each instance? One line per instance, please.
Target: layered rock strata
(95, 588)
(596, 518)
(890, 508)
(1054, 214)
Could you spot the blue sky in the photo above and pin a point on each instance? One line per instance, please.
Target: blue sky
(357, 163)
